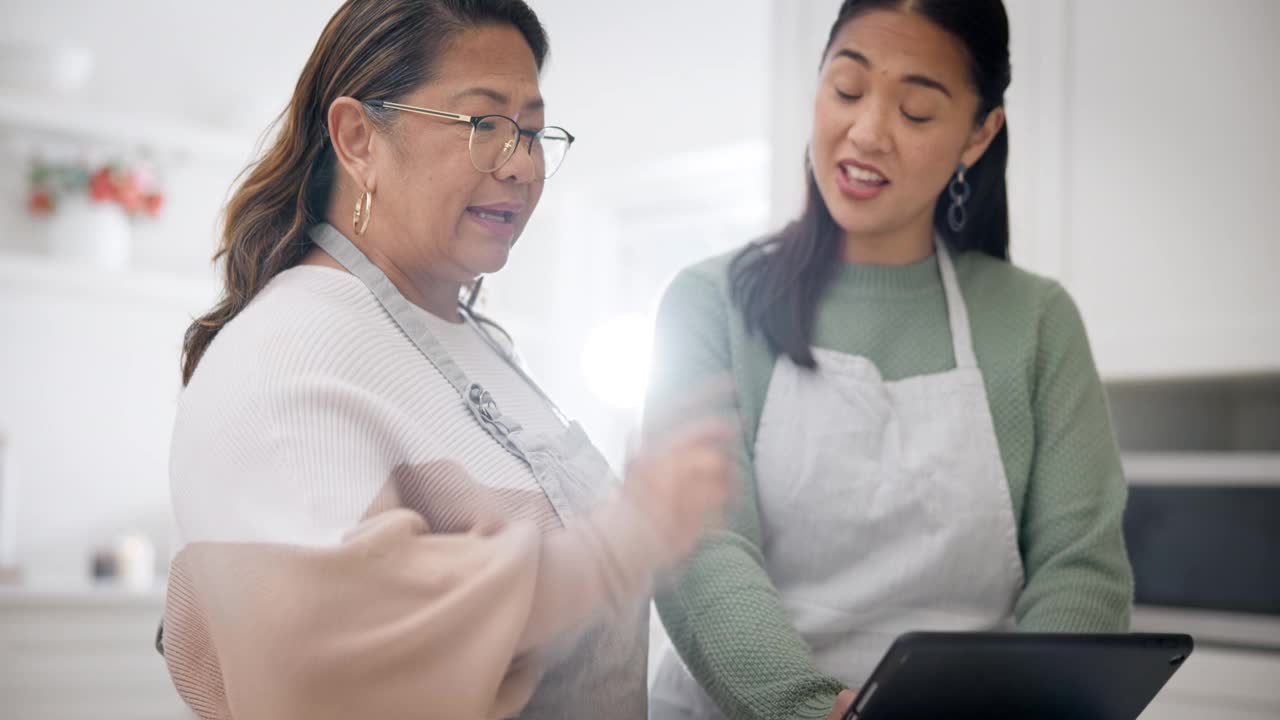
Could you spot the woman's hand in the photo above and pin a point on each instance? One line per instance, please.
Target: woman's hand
(681, 482)
(844, 701)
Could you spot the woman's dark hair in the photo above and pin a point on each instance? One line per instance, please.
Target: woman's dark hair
(382, 49)
(778, 281)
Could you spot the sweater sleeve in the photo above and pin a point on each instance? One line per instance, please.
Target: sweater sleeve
(1078, 573)
(304, 591)
(722, 612)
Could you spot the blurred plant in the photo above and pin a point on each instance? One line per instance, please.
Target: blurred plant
(132, 186)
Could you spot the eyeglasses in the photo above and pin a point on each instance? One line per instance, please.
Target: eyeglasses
(495, 138)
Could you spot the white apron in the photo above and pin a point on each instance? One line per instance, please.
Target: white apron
(885, 509)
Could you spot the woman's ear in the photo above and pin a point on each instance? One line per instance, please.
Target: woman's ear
(352, 134)
(981, 137)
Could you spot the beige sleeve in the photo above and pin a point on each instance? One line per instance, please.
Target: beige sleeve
(394, 622)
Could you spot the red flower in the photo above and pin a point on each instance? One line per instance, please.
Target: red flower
(153, 203)
(101, 187)
(40, 202)
(129, 193)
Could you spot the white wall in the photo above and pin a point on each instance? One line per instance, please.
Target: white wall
(87, 401)
(800, 33)
(156, 62)
(668, 100)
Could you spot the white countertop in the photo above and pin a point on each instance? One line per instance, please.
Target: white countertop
(65, 593)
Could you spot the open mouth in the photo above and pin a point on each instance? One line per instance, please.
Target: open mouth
(863, 176)
(498, 220)
(860, 182)
(496, 216)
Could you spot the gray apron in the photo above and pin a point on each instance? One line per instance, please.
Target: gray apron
(600, 673)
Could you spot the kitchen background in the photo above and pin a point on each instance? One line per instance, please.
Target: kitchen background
(1143, 176)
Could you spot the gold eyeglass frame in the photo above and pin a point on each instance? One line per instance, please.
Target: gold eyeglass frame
(474, 121)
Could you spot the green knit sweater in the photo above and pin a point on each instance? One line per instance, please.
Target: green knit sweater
(1051, 419)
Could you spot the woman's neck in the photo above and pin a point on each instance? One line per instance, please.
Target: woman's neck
(901, 247)
(438, 297)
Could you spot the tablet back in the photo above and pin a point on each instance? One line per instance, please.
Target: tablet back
(1020, 676)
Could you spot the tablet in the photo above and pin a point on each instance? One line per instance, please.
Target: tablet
(1019, 676)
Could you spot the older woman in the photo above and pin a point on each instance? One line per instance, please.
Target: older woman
(382, 516)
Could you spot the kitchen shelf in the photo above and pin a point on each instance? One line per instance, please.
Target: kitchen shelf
(79, 593)
(1175, 468)
(30, 272)
(64, 118)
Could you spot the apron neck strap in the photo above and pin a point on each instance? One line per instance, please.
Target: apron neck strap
(410, 323)
(957, 313)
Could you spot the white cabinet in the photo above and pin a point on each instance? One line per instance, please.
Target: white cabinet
(1143, 157)
(1142, 174)
(1171, 241)
(76, 653)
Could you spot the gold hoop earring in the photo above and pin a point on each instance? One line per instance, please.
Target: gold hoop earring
(364, 211)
